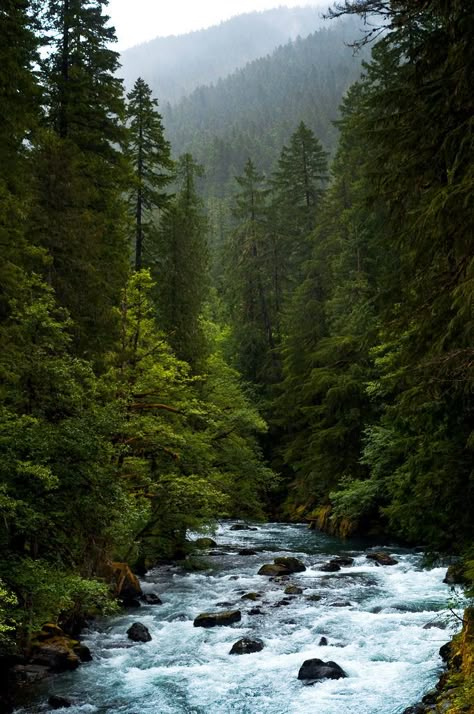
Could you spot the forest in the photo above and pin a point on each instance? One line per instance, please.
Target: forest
(207, 312)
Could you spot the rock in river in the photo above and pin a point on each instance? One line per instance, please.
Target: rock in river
(205, 543)
(313, 670)
(138, 633)
(293, 590)
(272, 569)
(292, 565)
(152, 599)
(330, 567)
(214, 619)
(246, 646)
(382, 558)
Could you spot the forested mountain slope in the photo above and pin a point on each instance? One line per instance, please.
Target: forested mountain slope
(174, 66)
(254, 111)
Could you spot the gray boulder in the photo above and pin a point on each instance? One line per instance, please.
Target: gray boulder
(217, 619)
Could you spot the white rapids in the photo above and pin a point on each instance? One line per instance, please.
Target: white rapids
(375, 633)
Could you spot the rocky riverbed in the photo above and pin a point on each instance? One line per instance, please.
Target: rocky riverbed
(378, 620)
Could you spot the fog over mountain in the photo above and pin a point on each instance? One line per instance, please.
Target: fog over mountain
(174, 66)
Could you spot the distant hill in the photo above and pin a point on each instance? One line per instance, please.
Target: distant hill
(253, 112)
(174, 66)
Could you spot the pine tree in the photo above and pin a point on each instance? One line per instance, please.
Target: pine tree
(150, 157)
(80, 173)
(181, 266)
(298, 185)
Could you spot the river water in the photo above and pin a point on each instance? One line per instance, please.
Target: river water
(372, 616)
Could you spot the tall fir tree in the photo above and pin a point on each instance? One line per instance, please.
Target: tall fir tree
(150, 157)
(181, 266)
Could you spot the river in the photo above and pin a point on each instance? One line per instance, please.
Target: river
(373, 617)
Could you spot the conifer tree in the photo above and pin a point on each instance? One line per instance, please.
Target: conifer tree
(181, 266)
(150, 157)
(80, 173)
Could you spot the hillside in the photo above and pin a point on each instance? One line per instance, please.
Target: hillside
(174, 66)
(254, 111)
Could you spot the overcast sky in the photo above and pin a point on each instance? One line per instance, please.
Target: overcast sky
(141, 20)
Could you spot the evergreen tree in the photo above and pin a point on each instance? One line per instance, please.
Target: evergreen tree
(181, 266)
(250, 280)
(80, 174)
(150, 157)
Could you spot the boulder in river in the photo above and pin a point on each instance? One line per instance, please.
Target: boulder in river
(55, 650)
(382, 558)
(314, 670)
(323, 642)
(152, 599)
(330, 567)
(246, 646)
(293, 590)
(272, 569)
(251, 596)
(341, 603)
(292, 565)
(205, 543)
(241, 527)
(255, 611)
(247, 551)
(344, 560)
(56, 702)
(138, 633)
(125, 583)
(217, 619)
(83, 652)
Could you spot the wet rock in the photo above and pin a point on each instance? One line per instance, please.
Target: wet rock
(282, 603)
(417, 709)
(205, 543)
(56, 702)
(241, 527)
(323, 642)
(293, 590)
(83, 652)
(246, 646)
(125, 583)
(225, 603)
(313, 670)
(344, 560)
(446, 652)
(251, 596)
(56, 652)
(431, 697)
(217, 619)
(330, 567)
(255, 611)
(376, 610)
(29, 673)
(247, 551)
(431, 625)
(138, 633)
(313, 598)
(455, 575)
(292, 565)
(341, 603)
(152, 599)
(272, 569)
(234, 577)
(131, 604)
(381, 558)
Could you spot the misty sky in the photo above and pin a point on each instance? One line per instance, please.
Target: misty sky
(141, 20)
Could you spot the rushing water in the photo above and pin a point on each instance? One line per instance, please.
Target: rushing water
(377, 637)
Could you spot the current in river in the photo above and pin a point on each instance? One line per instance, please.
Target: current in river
(384, 625)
